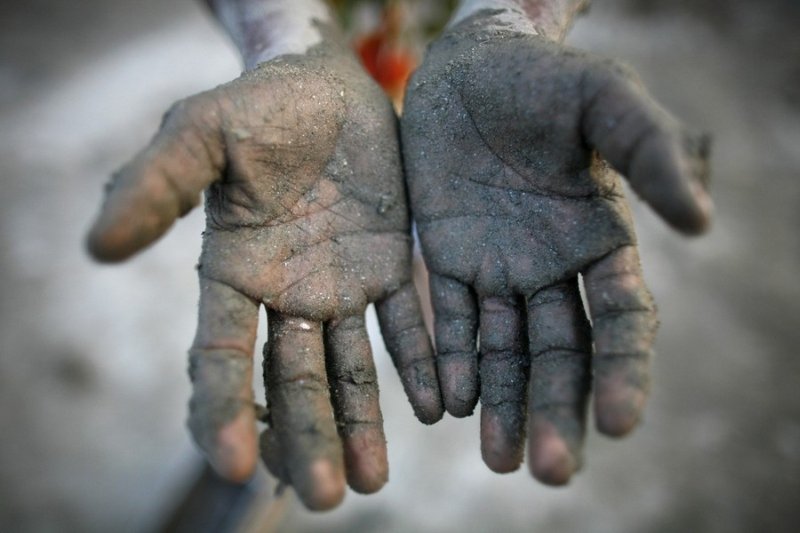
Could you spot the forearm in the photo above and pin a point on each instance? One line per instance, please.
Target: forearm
(550, 18)
(265, 29)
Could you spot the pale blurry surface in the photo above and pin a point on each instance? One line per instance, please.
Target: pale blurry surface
(92, 359)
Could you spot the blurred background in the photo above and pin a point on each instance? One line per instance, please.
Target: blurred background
(93, 387)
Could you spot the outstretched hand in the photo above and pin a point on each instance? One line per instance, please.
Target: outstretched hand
(510, 143)
(307, 216)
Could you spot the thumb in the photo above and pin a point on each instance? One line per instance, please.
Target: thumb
(162, 183)
(664, 163)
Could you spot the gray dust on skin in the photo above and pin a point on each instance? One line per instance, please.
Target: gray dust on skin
(218, 400)
(312, 189)
(503, 201)
(299, 236)
(726, 397)
(518, 210)
(529, 208)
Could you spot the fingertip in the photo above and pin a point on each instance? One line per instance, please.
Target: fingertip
(698, 220)
(500, 464)
(104, 248)
(367, 464)
(673, 182)
(237, 471)
(691, 216)
(459, 407)
(428, 406)
(618, 412)
(234, 457)
(430, 417)
(616, 423)
(501, 447)
(421, 384)
(368, 483)
(324, 488)
(550, 459)
(693, 228)
(459, 384)
(115, 237)
(552, 464)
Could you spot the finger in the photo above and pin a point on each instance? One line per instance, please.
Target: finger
(455, 324)
(624, 327)
(272, 455)
(503, 383)
(560, 346)
(664, 163)
(354, 392)
(221, 410)
(163, 182)
(403, 330)
(300, 411)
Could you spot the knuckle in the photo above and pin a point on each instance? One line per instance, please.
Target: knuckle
(193, 111)
(363, 376)
(177, 114)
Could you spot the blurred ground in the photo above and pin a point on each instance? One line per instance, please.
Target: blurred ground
(92, 359)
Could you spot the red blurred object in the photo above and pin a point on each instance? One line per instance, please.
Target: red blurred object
(389, 63)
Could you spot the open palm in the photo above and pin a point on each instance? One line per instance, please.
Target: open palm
(307, 216)
(506, 138)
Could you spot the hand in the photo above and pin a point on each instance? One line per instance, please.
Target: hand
(506, 137)
(306, 215)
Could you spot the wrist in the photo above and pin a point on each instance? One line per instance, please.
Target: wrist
(265, 29)
(550, 19)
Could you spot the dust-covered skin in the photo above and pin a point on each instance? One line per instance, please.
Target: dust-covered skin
(506, 135)
(307, 216)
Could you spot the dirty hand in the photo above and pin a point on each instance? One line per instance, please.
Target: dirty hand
(509, 142)
(307, 216)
